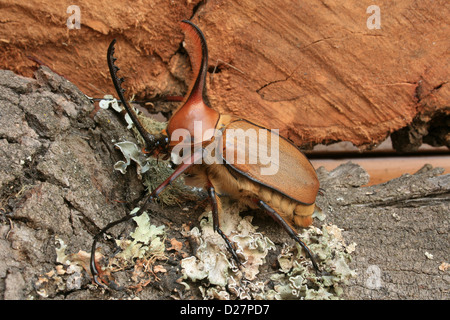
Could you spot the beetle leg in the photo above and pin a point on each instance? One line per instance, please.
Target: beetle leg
(276, 216)
(186, 163)
(113, 69)
(215, 214)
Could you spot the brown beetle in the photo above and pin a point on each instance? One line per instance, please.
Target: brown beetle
(288, 194)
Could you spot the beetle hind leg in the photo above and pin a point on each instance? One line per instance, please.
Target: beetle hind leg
(286, 226)
(215, 213)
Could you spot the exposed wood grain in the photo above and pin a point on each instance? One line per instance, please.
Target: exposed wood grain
(313, 69)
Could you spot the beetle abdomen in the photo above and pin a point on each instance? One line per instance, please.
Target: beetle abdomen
(243, 189)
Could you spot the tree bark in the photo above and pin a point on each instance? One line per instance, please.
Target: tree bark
(57, 186)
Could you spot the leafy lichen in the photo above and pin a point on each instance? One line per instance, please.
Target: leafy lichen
(147, 241)
(295, 278)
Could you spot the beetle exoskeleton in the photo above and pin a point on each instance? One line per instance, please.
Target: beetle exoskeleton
(286, 189)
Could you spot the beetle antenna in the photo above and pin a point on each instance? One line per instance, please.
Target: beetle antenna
(148, 138)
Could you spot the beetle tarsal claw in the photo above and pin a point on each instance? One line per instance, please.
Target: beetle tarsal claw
(107, 284)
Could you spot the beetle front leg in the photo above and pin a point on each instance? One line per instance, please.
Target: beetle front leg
(292, 233)
(216, 224)
(186, 164)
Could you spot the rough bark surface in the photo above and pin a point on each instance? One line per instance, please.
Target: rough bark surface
(313, 69)
(57, 183)
(401, 230)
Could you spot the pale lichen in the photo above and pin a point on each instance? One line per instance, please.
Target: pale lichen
(295, 278)
(147, 242)
(131, 152)
(210, 262)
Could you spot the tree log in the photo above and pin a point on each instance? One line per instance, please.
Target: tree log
(320, 71)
